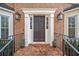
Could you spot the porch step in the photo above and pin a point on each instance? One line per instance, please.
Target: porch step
(40, 45)
(38, 50)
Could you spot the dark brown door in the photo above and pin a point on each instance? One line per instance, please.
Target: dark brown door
(39, 28)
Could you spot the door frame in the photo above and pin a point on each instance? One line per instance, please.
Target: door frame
(48, 11)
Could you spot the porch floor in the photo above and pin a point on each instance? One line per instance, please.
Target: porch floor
(38, 50)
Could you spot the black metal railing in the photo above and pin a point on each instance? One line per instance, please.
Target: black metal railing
(70, 46)
(12, 44)
(6, 47)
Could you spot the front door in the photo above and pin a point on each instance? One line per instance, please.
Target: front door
(39, 29)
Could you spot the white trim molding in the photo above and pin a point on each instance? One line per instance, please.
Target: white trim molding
(71, 10)
(29, 32)
(38, 10)
(51, 27)
(7, 10)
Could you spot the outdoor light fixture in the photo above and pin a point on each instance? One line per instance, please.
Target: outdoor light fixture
(60, 16)
(17, 15)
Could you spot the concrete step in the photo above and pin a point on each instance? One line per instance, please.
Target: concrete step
(38, 50)
(40, 45)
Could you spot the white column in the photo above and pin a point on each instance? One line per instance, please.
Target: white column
(46, 30)
(51, 28)
(10, 20)
(66, 26)
(27, 30)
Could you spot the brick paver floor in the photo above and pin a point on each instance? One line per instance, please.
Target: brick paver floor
(38, 50)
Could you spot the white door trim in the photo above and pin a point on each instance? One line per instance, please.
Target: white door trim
(48, 11)
(33, 31)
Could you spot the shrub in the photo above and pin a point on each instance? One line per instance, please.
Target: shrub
(54, 44)
(22, 43)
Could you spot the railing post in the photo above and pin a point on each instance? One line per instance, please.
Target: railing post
(13, 46)
(7, 47)
(8, 50)
(63, 47)
(2, 53)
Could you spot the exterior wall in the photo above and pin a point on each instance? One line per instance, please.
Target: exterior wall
(19, 30)
(68, 14)
(58, 26)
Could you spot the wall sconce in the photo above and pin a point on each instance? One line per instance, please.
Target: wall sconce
(60, 16)
(17, 15)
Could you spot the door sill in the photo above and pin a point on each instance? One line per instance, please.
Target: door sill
(39, 43)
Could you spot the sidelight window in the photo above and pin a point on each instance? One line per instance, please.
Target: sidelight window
(47, 22)
(30, 22)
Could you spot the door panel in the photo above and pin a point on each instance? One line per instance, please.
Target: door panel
(39, 28)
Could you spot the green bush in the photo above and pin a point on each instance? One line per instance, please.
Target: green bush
(54, 44)
(22, 43)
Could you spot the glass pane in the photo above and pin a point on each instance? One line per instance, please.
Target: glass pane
(71, 32)
(4, 27)
(72, 20)
(30, 22)
(4, 33)
(4, 21)
(72, 26)
(47, 23)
